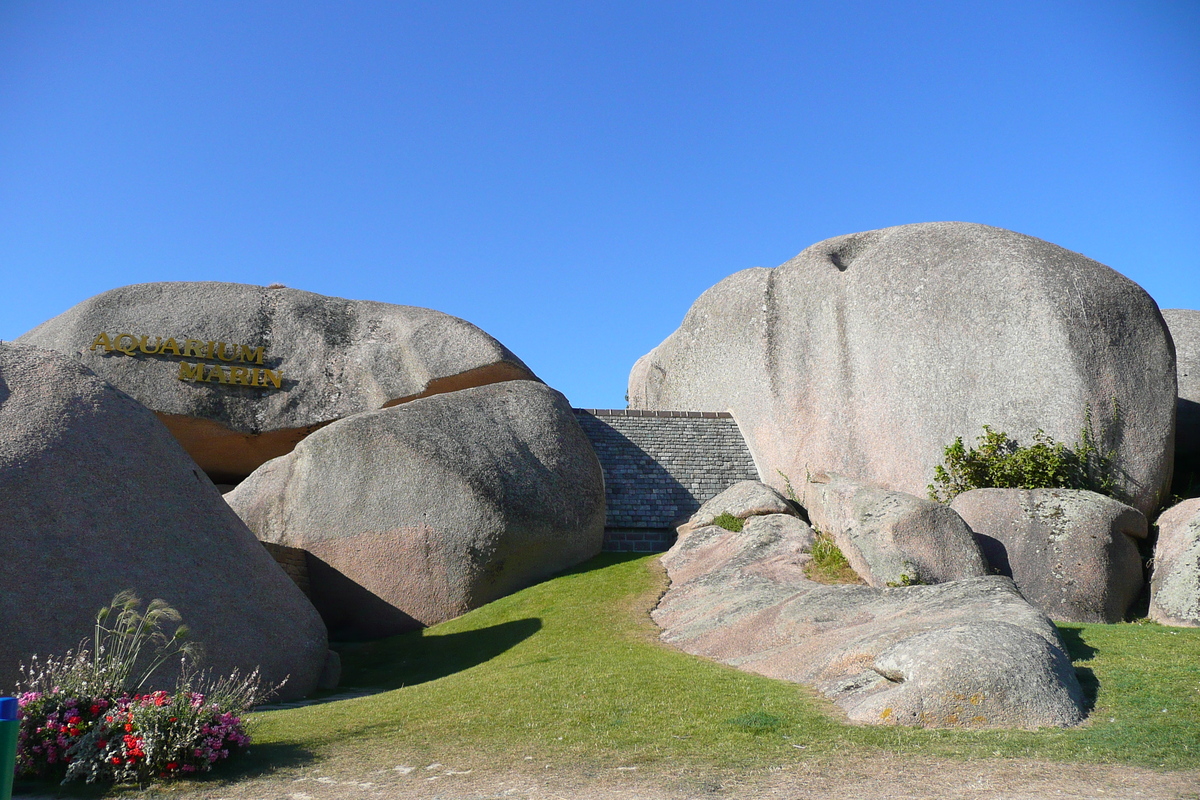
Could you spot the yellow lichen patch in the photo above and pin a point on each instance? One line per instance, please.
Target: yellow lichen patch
(952, 719)
(886, 713)
(978, 720)
(976, 699)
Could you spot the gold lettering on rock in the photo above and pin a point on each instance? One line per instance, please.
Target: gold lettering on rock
(102, 340)
(133, 343)
(191, 372)
(275, 376)
(239, 375)
(191, 347)
(215, 371)
(170, 344)
(221, 352)
(245, 353)
(142, 345)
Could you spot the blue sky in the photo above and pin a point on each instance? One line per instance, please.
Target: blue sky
(571, 176)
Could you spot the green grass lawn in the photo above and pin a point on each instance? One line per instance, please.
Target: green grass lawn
(571, 670)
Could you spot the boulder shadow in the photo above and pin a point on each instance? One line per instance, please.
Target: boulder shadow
(1079, 650)
(352, 612)
(420, 656)
(995, 554)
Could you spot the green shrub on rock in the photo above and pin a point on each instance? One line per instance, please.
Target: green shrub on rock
(999, 462)
(729, 522)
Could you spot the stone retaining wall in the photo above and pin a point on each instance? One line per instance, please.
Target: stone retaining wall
(294, 562)
(659, 466)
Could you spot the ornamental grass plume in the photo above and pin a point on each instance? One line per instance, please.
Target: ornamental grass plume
(84, 714)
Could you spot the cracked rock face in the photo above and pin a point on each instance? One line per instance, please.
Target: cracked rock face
(968, 653)
(240, 374)
(97, 497)
(418, 513)
(1175, 584)
(867, 354)
(1071, 553)
(1185, 331)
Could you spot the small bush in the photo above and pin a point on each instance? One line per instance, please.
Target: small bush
(829, 564)
(729, 522)
(83, 715)
(1000, 463)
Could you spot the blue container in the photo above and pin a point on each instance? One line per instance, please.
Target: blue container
(10, 721)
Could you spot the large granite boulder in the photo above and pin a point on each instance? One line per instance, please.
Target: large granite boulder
(969, 653)
(1175, 582)
(97, 497)
(241, 373)
(892, 538)
(1185, 331)
(417, 513)
(1071, 553)
(867, 354)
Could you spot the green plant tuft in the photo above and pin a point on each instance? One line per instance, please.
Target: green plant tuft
(829, 564)
(999, 462)
(729, 522)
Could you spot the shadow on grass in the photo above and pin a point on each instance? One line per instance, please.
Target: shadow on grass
(1079, 650)
(417, 657)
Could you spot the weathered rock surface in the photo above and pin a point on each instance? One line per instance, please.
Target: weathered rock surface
(420, 512)
(1175, 582)
(1071, 553)
(1184, 325)
(892, 537)
(336, 358)
(743, 499)
(969, 653)
(780, 526)
(98, 497)
(867, 354)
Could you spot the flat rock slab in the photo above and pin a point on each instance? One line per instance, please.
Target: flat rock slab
(892, 538)
(1071, 553)
(1175, 582)
(969, 653)
(241, 373)
(97, 497)
(867, 354)
(415, 514)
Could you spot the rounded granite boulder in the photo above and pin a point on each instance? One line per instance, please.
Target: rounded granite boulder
(99, 498)
(867, 354)
(240, 374)
(415, 514)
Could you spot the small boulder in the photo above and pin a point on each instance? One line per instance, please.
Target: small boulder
(892, 538)
(1071, 553)
(240, 374)
(418, 513)
(1175, 582)
(743, 499)
(969, 653)
(98, 498)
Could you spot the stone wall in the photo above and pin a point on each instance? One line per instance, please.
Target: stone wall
(659, 466)
(294, 562)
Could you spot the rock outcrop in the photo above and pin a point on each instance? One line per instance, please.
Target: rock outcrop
(1175, 582)
(1184, 325)
(867, 354)
(417, 513)
(98, 498)
(892, 538)
(240, 374)
(1071, 553)
(743, 499)
(969, 653)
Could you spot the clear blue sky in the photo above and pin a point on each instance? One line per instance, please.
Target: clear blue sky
(571, 176)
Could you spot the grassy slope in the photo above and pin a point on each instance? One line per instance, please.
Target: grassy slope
(571, 670)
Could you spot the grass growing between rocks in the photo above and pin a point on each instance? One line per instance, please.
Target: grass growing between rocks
(570, 673)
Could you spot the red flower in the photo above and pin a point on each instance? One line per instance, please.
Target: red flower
(116, 759)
